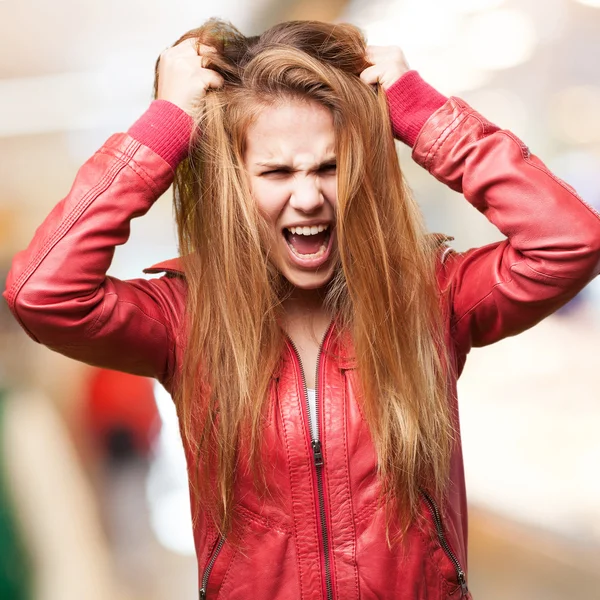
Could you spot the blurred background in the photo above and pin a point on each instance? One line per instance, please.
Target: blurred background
(93, 490)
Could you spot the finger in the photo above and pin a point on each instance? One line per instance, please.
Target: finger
(185, 48)
(204, 49)
(212, 79)
(205, 59)
(385, 53)
(371, 75)
(191, 46)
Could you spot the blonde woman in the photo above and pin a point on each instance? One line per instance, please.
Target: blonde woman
(311, 332)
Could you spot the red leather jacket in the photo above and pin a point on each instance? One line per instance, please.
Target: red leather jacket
(322, 533)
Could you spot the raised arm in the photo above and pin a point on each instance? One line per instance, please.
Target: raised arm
(57, 287)
(552, 248)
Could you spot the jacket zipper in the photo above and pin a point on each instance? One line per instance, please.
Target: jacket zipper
(209, 566)
(462, 579)
(318, 460)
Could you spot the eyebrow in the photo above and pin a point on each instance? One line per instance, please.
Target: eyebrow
(284, 167)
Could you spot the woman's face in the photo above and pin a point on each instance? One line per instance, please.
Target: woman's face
(291, 164)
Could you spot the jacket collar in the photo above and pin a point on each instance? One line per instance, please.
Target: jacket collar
(173, 265)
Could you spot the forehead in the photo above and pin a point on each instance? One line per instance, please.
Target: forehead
(293, 132)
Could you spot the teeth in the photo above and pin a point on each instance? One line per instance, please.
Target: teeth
(308, 230)
(318, 254)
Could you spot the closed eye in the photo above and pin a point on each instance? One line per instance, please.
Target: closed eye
(328, 168)
(276, 172)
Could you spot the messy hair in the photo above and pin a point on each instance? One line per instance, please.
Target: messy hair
(383, 292)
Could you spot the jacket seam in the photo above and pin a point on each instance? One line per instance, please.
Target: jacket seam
(124, 159)
(347, 472)
(441, 138)
(266, 522)
(542, 274)
(358, 406)
(93, 330)
(507, 282)
(66, 223)
(353, 538)
(481, 300)
(294, 500)
(367, 511)
(556, 179)
(466, 115)
(128, 159)
(524, 262)
(59, 234)
(95, 324)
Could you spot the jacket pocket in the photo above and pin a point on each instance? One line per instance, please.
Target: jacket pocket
(260, 563)
(442, 540)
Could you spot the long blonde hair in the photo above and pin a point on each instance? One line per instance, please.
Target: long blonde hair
(383, 292)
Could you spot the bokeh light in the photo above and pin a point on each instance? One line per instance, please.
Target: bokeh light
(592, 3)
(573, 114)
(500, 39)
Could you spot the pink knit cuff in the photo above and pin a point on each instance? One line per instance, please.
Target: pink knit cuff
(411, 101)
(166, 129)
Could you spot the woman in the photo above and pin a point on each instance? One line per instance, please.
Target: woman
(311, 333)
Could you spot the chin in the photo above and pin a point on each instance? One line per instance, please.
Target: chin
(309, 280)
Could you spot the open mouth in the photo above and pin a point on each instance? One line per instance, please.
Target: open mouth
(309, 242)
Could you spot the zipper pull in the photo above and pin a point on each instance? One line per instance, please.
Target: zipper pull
(463, 584)
(202, 594)
(316, 446)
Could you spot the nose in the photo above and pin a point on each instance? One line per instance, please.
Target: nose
(306, 194)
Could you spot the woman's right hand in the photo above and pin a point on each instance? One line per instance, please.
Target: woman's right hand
(182, 79)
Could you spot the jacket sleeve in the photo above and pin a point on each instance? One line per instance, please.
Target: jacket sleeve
(552, 248)
(57, 287)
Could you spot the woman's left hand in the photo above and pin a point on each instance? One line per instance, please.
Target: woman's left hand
(388, 65)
